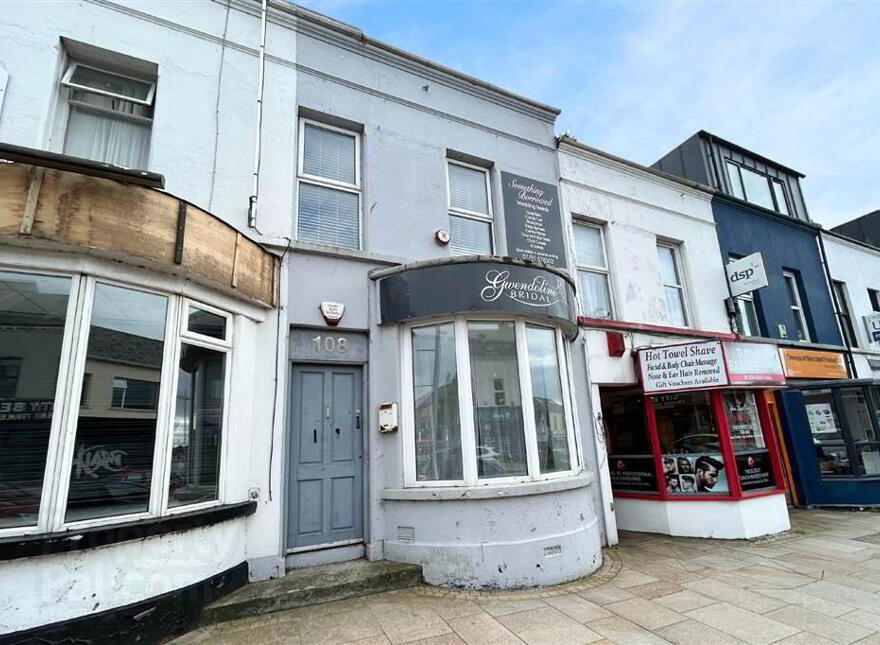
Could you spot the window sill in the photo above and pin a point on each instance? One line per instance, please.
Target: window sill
(28, 546)
(454, 493)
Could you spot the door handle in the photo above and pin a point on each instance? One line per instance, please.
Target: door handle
(315, 435)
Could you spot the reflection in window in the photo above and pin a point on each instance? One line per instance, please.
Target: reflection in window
(113, 451)
(501, 450)
(33, 311)
(630, 454)
(134, 394)
(550, 425)
(198, 422)
(692, 459)
(435, 393)
(828, 437)
(206, 323)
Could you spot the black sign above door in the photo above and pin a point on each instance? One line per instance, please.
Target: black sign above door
(533, 221)
(459, 287)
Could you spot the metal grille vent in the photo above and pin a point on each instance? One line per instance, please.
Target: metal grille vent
(406, 534)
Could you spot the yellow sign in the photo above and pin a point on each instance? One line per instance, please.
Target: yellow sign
(809, 363)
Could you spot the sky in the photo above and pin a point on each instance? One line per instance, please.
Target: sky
(798, 82)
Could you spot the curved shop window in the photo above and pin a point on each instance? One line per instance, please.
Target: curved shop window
(701, 443)
(112, 402)
(488, 402)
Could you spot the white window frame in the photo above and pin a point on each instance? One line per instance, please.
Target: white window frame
(466, 411)
(741, 302)
(590, 268)
(469, 214)
(68, 393)
(71, 68)
(675, 247)
(303, 177)
(796, 307)
(841, 295)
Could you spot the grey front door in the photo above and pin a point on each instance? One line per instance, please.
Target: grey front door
(325, 501)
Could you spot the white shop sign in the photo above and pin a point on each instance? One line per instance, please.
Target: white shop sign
(872, 325)
(746, 274)
(753, 364)
(691, 366)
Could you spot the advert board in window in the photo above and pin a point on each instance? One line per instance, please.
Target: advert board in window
(695, 474)
(632, 473)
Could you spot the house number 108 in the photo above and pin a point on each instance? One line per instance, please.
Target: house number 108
(330, 344)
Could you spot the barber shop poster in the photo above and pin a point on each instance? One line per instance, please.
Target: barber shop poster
(695, 474)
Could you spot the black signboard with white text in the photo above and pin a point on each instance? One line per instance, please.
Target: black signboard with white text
(533, 221)
(460, 287)
(633, 473)
(755, 471)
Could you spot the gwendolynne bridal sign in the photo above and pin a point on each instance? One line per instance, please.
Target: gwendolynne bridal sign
(682, 367)
(532, 220)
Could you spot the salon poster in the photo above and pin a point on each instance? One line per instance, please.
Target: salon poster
(755, 471)
(695, 474)
(821, 418)
(633, 473)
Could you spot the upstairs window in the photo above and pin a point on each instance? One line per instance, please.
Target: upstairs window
(844, 317)
(746, 312)
(329, 206)
(797, 309)
(592, 270)
(673, 284)
(470, 210)
(110, 116)
(874, 297)
(757, 188)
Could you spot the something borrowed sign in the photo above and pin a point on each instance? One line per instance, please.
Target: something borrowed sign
(691, 366)
(461, 287)
(533, 220)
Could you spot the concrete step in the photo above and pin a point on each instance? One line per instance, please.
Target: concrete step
(312, 585)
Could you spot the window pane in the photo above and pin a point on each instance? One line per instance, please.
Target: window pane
(631, 456)
(329, 154)
(757, 188)
(113, 451)
(735, 183)
(857, 414)
(206, 323)
(675, 306)
(742, 420)
(469, 237)
(849, 334)
(668, 267)
(827, 433)
(747, 317)
(779, 193)
(435, 393)
(501, 448)
(692, 459)
(550, 419)
(869, 459)
(33, 310)
(588, 247)
(106, 138)
(328, 216)
(595, 299)
(198, 423)
(113, 83)
(467, 189)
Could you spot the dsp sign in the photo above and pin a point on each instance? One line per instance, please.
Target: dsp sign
(746, 274)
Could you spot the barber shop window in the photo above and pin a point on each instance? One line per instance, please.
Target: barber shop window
(489, 402)
(753, 459)
(109, 114)
(631, 462)
(329, 186)
(470, 210)
(136, 437)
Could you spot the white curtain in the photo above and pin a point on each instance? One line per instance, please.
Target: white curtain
(103, 137)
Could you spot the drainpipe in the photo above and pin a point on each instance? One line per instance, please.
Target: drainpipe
(850, 361)
(255, 192)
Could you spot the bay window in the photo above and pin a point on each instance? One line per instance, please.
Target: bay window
(487, 400)
(101, 428)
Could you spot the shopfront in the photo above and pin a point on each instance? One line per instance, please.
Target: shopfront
(491, 491)
(832, 429)
(692, 450)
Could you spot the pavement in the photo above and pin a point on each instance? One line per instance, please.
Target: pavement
(817, 584)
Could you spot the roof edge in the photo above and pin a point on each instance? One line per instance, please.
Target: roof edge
(731, 144)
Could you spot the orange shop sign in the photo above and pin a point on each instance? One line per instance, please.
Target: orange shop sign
(810, 363)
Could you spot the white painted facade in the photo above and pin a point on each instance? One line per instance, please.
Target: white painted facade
(857, 266)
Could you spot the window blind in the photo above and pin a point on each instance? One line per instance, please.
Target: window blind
(329, 154)
(467, 189)
(328, 216)
(469, 237)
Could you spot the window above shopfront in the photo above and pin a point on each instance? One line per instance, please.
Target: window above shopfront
(486, 401)
(117, 408)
